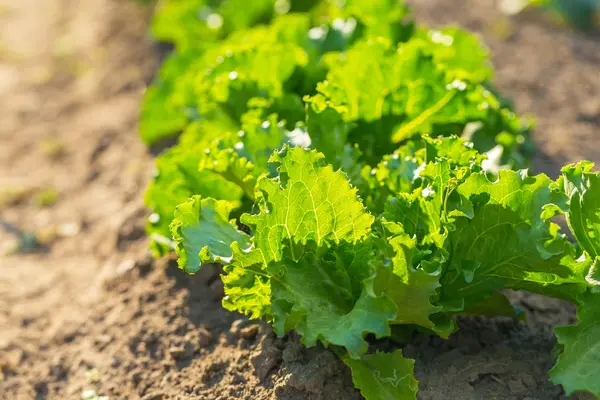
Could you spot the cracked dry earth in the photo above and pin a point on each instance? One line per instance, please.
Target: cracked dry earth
(88, 310)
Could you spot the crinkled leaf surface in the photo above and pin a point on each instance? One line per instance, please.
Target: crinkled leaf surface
(583, 188)
(307, 266)
(412, 290)
(307, 201)
(384, 18)
(204, 234)
(178, 178)
(507, 243)
(326, 294)
(328, 130)
(578, 366)
(419, 216)
(434, 83)
(237, 74)
(312, 234)
(212, 161)
(247, 284)
(384, 376)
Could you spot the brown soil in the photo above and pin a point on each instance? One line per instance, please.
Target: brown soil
(89, 310)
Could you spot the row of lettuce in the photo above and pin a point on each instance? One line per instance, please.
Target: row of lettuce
(355, 174)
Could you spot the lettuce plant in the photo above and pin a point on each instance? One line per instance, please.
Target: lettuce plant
(366, 76)
(320, 262)
(354, 173)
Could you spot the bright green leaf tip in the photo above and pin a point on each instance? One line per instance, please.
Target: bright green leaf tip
(384, 376)
(203, 233)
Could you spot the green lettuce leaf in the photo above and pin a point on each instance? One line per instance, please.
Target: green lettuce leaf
(307, 201)
(414, 291)
(435, 166)
(384, 18)
(179, 177)
(307, 265)
(435, 82)
(328, 130)
(384, 376)
(203, 233)
(236, 73)
(326, 294)
(167, 102)
(507, 242)
(247, 283)
(214, 158)
(193, 82)
(582, 186)
(194, 23)
(312, 234)
(578, 366)
(488, 234)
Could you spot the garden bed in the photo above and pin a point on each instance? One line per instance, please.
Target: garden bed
(89, 310)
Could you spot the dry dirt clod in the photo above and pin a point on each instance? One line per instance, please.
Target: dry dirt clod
(41, 388)
(265, 359)
(204, 338)
(177, 352)
(250, 332)
(154, 396)
(186, 350)
(237, 326)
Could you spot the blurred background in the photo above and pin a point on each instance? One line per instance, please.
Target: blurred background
(73, 171)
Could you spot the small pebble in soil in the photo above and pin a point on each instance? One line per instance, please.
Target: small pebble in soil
(539, 303)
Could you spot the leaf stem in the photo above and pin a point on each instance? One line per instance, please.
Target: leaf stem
(405, 131)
